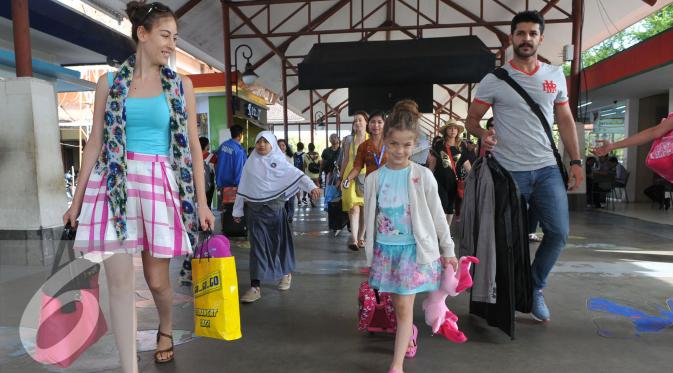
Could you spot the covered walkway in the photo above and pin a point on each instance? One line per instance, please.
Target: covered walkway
(313, 327)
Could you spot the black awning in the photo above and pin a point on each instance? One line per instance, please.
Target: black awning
(452, 60)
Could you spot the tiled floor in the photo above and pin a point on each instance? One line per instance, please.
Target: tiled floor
(642, 211)
(607, 296)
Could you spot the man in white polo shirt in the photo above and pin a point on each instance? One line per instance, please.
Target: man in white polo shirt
(522, 146)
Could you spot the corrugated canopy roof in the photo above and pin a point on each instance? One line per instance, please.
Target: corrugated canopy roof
(291, 27)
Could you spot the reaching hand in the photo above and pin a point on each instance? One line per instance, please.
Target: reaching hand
(452, 261)
(315, 193)
(489, 141)
(603, 149)
(70, 216)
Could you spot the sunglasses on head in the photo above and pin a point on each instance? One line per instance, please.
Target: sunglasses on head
(155, 7)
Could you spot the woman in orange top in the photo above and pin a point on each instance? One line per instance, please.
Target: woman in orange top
(370, 154)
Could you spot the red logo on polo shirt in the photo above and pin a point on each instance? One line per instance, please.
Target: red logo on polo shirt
(549, 86)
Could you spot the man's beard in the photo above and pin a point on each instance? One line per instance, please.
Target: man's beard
(519, 53)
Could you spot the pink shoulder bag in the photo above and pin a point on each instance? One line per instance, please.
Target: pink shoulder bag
(660, 157)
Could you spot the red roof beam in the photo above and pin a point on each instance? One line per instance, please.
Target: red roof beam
(295, 35)
(251, 18)
(186, 8)
(288, 17)
(502, 36)
(421, 14)
(298, 34)
(553, 4)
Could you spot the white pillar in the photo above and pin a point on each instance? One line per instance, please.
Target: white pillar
(33, 200)
(630, 154)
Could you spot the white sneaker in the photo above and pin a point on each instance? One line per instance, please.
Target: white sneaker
(285, 282)
(185, 278)
(252, 295)
(534, 238)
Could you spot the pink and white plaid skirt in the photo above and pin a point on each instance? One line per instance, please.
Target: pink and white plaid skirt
(152, 212)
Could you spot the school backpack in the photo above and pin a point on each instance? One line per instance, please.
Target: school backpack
(376, 311)
(313, 166)
(299, 160)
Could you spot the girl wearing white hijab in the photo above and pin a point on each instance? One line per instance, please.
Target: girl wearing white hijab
(268, 181)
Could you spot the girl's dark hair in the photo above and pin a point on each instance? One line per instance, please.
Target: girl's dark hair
(375, 113)
(404, 117)
(311, 147)
(146, 15)
(364, 114)
(288, 149)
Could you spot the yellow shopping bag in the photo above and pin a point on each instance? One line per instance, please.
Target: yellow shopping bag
(216, 313)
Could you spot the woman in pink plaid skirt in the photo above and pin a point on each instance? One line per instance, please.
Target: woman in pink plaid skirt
(141, 195)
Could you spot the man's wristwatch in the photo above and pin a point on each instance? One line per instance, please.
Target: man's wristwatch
(576, 162)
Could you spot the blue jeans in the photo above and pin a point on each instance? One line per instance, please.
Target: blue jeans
(546, 195)
(532, 221)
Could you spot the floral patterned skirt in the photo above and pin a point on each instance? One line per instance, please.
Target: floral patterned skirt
(394, 270)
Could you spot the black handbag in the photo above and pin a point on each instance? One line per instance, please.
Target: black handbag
(71, 319)
(85, 273)
(502, 74)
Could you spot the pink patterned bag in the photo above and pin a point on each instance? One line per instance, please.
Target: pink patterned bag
(377, 314)
(660, 157)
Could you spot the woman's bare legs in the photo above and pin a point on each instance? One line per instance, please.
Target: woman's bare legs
(354, 218)
(156, 275)
(120, 276)
(361, 230)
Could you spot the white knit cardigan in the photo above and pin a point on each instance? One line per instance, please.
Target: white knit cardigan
(429, 225)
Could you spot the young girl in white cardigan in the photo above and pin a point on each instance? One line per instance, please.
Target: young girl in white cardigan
(406, 228)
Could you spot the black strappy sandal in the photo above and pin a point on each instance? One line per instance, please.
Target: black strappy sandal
(159, 352)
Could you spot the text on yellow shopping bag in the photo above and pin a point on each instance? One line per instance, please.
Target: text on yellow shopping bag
(215, 287)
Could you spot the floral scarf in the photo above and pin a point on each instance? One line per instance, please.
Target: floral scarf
(112, 161)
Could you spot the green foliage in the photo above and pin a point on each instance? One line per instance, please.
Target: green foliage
(649, 26)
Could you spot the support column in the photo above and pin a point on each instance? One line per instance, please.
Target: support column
(311, 113)
(577, 16)
(283, 78)
(227, 64)
(338, 125)
(577, 199)
(33, 199)
(631, 154)
(326, 120)
(21, 27)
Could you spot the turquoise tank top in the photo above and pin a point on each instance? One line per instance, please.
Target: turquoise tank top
(147, 120)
